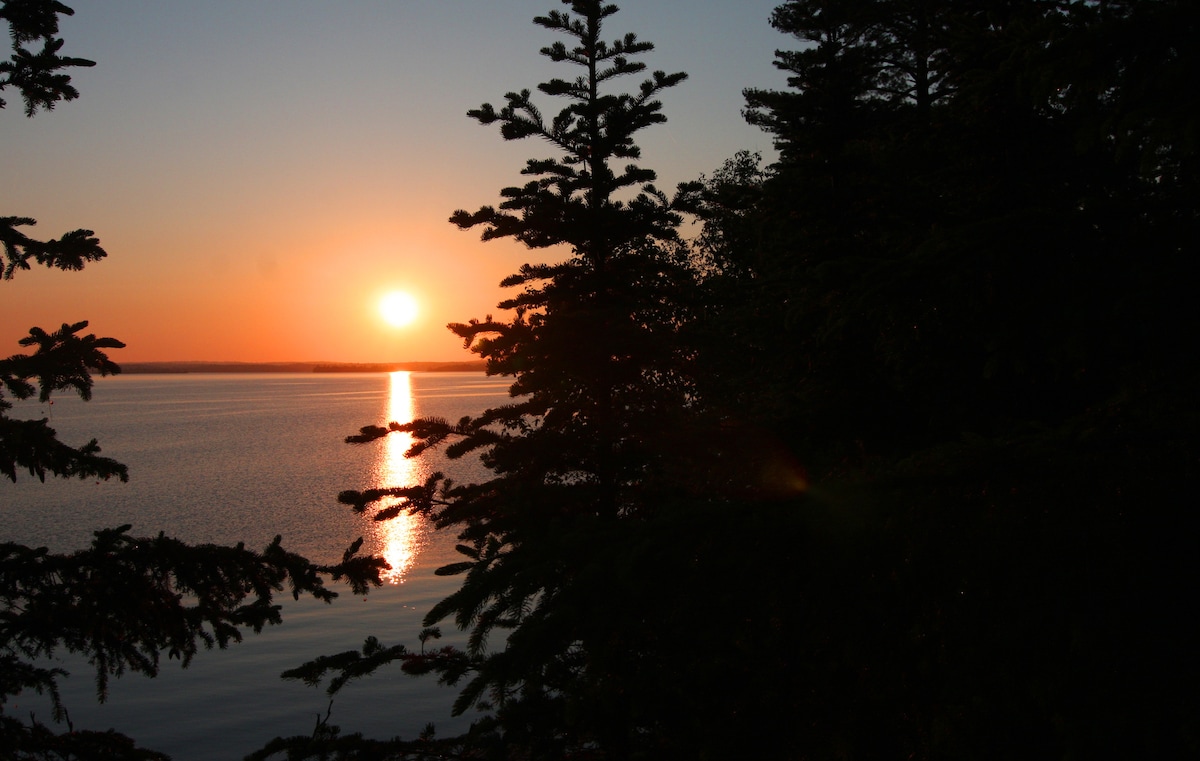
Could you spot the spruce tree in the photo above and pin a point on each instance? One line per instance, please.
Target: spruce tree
(582, 456)
(597, 375)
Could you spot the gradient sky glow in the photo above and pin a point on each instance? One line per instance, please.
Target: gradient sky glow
(261, 172)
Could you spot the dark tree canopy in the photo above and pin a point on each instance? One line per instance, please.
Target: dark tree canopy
(965, 313)
(895, 459)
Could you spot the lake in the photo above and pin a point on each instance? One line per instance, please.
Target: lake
(229, 458)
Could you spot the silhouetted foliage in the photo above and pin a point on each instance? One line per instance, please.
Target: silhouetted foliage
(945, 507)
(35, 68)
(585, 457)
(35, 74)
(70, 252)
(581, 454)
(964, 315)
(125, 601)
(895, 460)
(63, 361)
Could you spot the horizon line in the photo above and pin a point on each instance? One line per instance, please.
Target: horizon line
(204, 365)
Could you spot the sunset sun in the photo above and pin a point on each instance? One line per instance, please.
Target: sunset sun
(398, 308)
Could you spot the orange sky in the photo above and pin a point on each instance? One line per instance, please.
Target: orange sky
(261, 174)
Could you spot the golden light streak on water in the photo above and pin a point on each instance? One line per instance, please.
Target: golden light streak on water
(400, 539)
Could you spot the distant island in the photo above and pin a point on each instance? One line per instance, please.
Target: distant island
(476, 366)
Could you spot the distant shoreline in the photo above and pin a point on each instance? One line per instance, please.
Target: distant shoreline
(131, 368)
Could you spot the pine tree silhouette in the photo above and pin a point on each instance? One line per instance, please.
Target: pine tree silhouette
(600, 379)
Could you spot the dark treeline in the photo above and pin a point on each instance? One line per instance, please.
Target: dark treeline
(895, 459)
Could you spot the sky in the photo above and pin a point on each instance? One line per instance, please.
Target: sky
(262, 172)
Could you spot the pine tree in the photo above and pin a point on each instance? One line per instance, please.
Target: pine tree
(582, 456)
(597, 371)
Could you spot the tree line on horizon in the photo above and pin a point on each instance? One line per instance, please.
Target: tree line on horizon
(894, 458)
(303, 367)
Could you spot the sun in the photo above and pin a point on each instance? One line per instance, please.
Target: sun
(398, 308)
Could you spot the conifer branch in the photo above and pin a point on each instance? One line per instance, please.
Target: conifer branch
(37, 74)
(70, 252)
(127, 601)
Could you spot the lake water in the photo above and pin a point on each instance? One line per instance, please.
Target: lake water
(229, 458)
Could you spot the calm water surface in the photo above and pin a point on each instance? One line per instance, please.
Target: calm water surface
(229, 458)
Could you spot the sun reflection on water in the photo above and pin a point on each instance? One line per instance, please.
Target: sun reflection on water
(400, 539)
